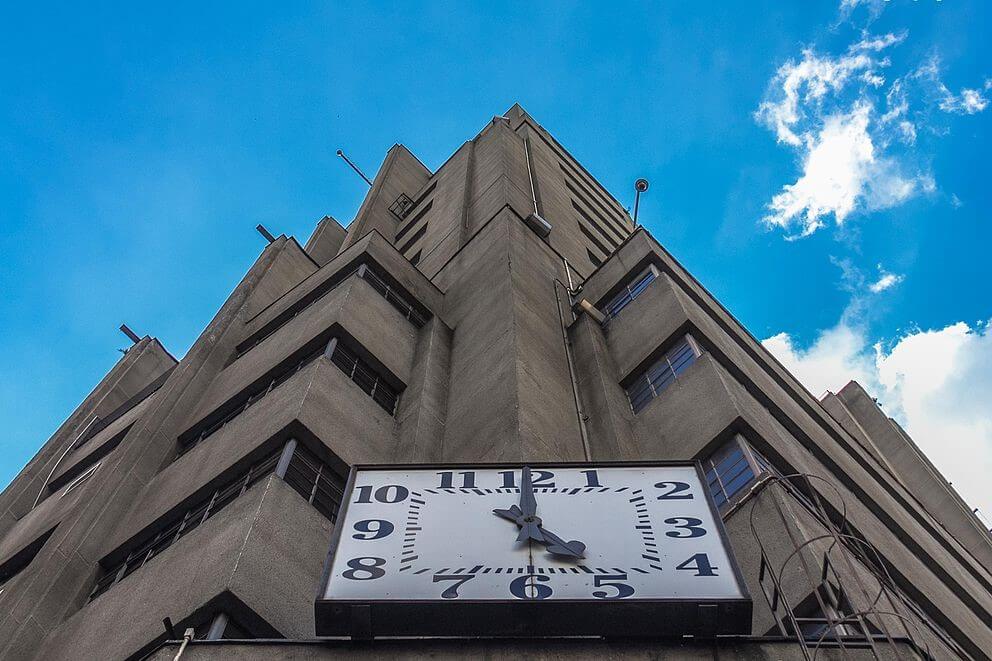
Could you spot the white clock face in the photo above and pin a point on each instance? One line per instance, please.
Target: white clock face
(588, 533)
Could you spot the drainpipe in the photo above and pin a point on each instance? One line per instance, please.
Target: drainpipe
(571, 377)
(62, 456)
(188, 636)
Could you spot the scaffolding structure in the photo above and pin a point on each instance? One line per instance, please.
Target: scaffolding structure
(845, 598)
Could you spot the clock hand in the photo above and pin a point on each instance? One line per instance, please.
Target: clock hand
(529, 523)
(557, 546)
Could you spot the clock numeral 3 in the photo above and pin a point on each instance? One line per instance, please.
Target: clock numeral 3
(365, 569)
(451, 592)
(382, 529)
(675, 492)
(692, 527)
(700, 563)
(521, 589)
(610, 580)
(391, 493)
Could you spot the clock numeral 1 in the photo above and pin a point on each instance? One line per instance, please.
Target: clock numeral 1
(447, 479)
(700, 563)
(451, 592)
(592, 478)
(391, 493)
(611, 580)
(691, 526)
(365, 569)
(521, 589)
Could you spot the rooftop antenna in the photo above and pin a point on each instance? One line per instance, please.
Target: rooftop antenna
(265, 233)
(131, 335)
(355, 167)
(640, 186)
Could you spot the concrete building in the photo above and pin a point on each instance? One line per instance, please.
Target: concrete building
(503, 308)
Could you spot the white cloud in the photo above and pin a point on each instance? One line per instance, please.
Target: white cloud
(968, 102)
(885, 281)
(841, 172)
(936, 383)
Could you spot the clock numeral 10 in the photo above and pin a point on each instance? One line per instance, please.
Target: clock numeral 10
(391, 493)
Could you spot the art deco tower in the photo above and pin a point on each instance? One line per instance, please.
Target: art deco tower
(503, 308)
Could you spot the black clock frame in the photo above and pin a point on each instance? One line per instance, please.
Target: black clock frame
(515, 618)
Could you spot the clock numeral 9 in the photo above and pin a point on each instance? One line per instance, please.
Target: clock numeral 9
(691, 526)
(700, 563)
(391, 493)
(382, 529)
(521, 589)
(365, 569)
(610, 580)
(675, 492)
(451, 592)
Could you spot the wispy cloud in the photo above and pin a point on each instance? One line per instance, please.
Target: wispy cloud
(936, 383)
(885, 281)
(854, 127)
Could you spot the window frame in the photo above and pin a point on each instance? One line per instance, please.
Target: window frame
(644, 382)
(631, 289)
(759, 466)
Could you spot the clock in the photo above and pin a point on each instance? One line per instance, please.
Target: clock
(530, 550)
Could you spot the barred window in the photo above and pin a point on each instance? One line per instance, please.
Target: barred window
(183, 524)
(661, 374)
(246, 399)
(630, 291)
(317, 482)
(365, 376)
(731, 468)
(392, 296)
(400, 301)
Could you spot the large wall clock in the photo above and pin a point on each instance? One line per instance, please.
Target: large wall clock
(511, 550)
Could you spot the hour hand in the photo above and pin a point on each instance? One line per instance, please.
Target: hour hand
(557, 546)
(530, 526)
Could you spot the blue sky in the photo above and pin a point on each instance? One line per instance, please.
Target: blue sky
(141, 145)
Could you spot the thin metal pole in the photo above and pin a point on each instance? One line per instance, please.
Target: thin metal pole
(637, 203)
(355, 167)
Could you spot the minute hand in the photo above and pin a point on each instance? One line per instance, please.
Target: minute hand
(530, 525)
(558, 546)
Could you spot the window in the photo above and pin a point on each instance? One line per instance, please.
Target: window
(317, 482)
(366, 271)
(661, 374)
(220, 626)
(85, 475)
(241, 403)
(365, 376)
(731, 468)
(413, 222)
(630, 291)
(413, 239)
(20, 560)
(392, 295)
(596, 261)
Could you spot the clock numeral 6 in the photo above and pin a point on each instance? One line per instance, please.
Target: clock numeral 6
(691, 526)
(451, 592)
(365, 569)
(391, 493)
(674, 492)
(521, 589)
(610, 580)
(373, 529)
(700, 563)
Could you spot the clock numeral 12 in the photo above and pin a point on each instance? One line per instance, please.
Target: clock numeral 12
(539, 479)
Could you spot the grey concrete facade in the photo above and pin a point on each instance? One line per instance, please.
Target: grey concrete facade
(453, 302)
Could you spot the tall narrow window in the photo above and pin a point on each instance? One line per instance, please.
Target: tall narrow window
(631, 290)
(661, 374)
(732, 468)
